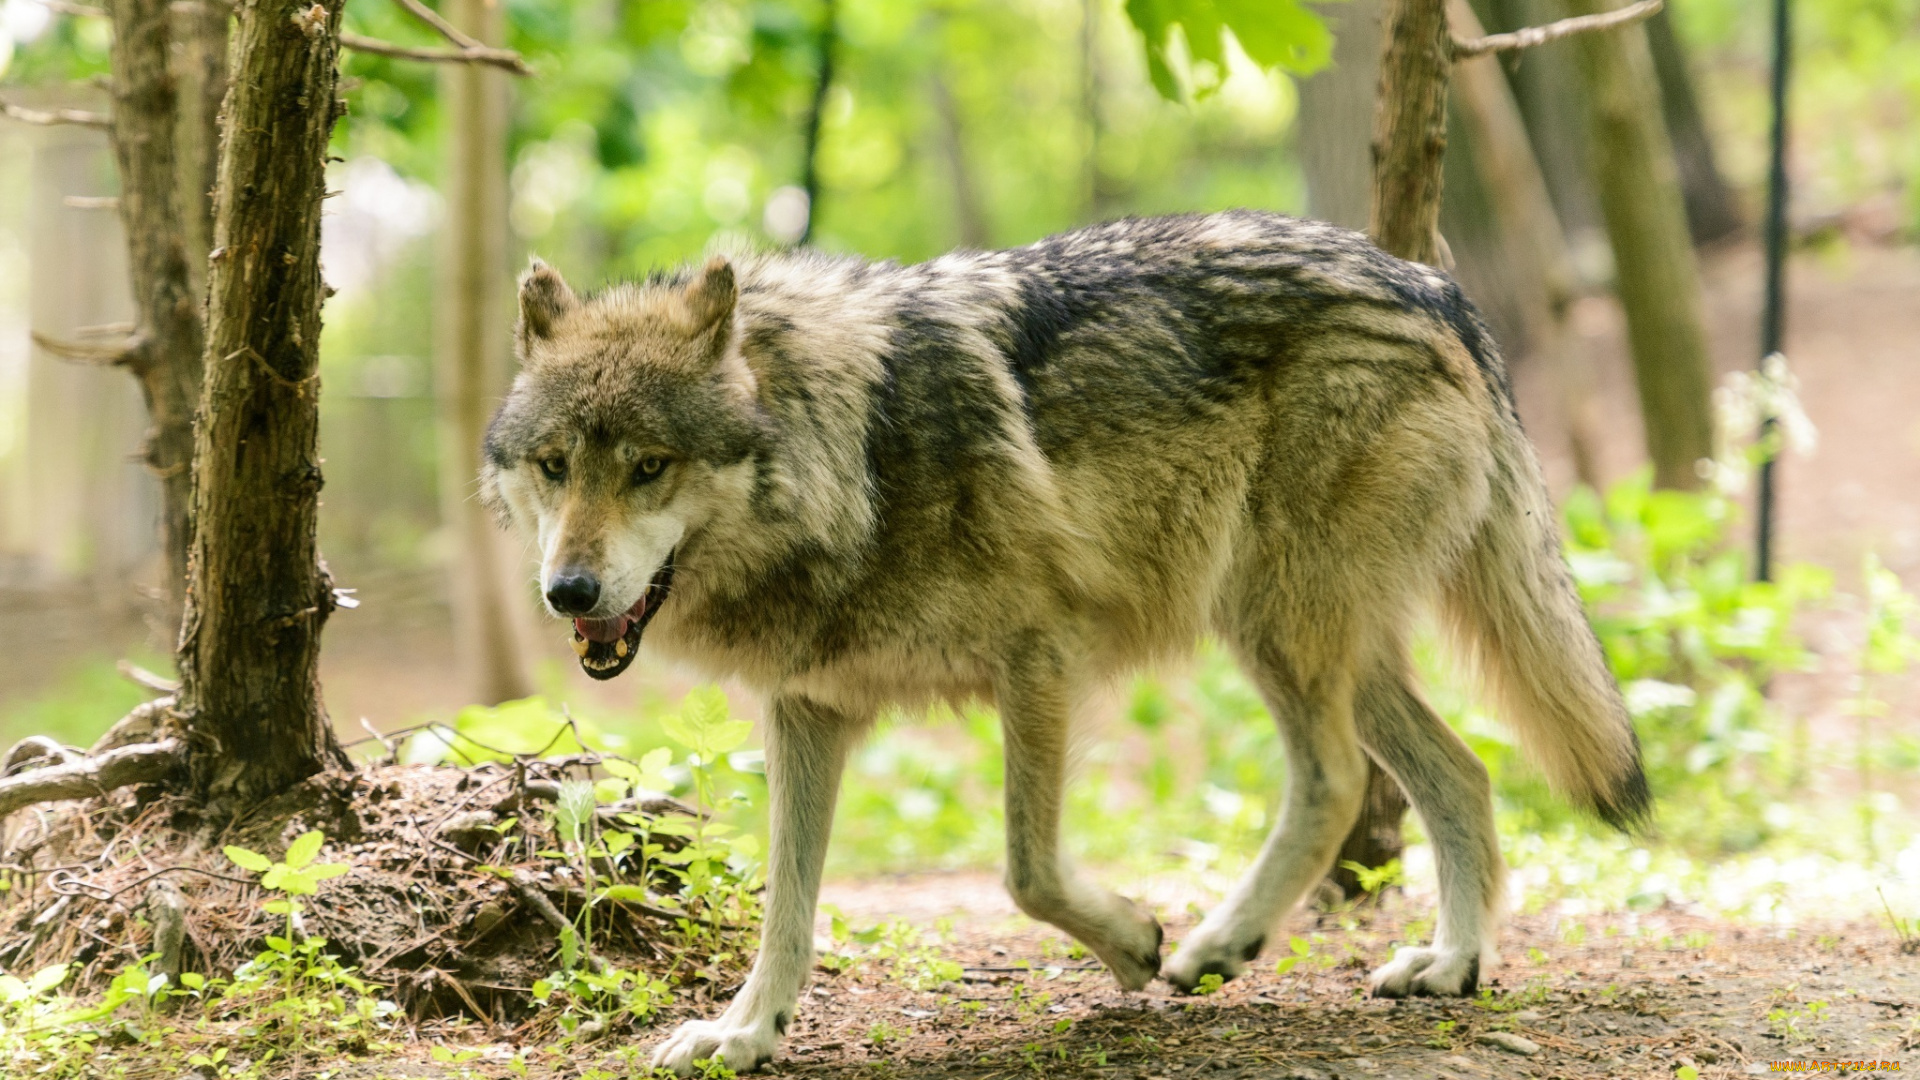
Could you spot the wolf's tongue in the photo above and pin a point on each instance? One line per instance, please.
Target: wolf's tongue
(602, 630)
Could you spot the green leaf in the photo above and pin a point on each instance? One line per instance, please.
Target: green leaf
(1274, 34)
(303, 849)
(247, 860)
(625, 893)
(323, 871)
(47, 978)
(193, 980)
(542, 990)
(1687, 1072)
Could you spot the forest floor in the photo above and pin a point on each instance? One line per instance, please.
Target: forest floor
(1629, 994)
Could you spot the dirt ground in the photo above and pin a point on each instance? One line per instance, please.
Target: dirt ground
(1630, 995)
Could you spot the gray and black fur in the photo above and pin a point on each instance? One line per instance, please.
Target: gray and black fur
(1015, 476)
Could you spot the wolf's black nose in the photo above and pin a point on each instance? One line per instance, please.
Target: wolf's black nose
(573, 591)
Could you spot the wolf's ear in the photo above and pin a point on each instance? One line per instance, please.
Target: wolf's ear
(544, 298)
(711, 294)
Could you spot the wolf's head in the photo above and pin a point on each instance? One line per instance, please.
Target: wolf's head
(631, 424)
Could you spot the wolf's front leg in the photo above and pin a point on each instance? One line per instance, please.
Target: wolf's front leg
(806, 749)
(1034, 706)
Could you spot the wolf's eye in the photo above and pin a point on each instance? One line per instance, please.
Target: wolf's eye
(648, 469)
(554, 467)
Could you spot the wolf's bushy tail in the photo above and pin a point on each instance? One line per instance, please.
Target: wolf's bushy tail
(1512, 604)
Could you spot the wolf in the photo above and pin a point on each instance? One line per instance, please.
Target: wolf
(1014, 476)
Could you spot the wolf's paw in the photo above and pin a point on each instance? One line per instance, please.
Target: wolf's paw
(1428, 972)
(1205, 953)
(1132, 947)
(743, 1048)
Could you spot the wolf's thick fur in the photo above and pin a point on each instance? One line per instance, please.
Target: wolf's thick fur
(1016, 475)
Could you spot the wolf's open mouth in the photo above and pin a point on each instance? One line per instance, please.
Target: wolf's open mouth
(607, 646)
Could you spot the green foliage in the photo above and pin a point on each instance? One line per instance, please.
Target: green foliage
(1275, 34)
(910, 956)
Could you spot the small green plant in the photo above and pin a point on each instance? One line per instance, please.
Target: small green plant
(1908, 930)
(1373, 879)
(884, 1032)
(1443, 1034)
(1209, 984)
(1300, 951)
(1784, 1021)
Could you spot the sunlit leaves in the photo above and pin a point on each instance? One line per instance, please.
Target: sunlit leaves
(1275, 34)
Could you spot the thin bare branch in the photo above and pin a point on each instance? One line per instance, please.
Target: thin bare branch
(446, 29)
(505, 59)
(141, 763)
(49, 117)
(147, 680)
(123, 352)
(91, 202)
(1539, 35)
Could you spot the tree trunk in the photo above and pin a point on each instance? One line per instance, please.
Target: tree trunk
(168, 337)
(1336, 117)
(200, 72)
(1532, 243)
(1409, 141)
(258, 594)
(969, 216)
(472, 362)
(816, 111)
(1410, 131)
(1712, 211)
(1654, 270)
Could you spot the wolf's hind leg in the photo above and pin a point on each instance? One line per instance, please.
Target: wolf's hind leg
(806, 750)
(1034, 707)
(1448, 785)
(1327, 777)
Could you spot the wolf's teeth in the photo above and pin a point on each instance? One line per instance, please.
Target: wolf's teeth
(620, 647)
(580, 645)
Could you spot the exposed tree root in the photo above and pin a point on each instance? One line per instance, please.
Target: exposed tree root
(82, 777)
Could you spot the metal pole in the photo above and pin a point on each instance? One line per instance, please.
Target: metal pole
(1773, 317)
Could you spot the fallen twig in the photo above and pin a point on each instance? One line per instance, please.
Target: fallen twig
(140, 763)
(505, 59)
(1530, 36)
(530, 892)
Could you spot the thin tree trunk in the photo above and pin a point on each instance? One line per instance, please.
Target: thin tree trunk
(1410, 131)
(816, 110)
(1654, 269)
(1409, 141)
(969, 217)
(1337, 108)
(258, 594)
(168, 337)
(1712, 211)
(472, 361)
(1532, 241)
(200, 71)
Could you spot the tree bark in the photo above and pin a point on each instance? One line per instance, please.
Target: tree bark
(472, 362)
(1410, 131)
(1712, 211)
(200, 72)
(1532, 243)
(168, 335)
(258, 594)
(1654, 269)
